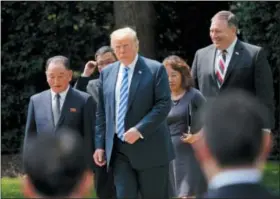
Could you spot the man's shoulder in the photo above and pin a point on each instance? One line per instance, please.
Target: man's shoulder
(80, 94)
(150, 61)
(93, 82)
(150, 64)
(109, 68)
(39, 96)
(249, 46)
(205, 49)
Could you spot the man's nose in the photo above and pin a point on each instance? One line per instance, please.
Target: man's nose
(56, 81)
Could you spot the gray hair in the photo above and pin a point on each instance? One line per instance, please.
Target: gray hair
(59, 59)
(227, 16)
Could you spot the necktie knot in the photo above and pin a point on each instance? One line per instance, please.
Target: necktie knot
(57, 96)
(125, 69)
(224, 55)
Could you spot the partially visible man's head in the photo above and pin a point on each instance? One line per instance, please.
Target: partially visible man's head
(232, 133)
(125, 44)
(56, 166)
(223, 30)
(104, 56)
(58, 73)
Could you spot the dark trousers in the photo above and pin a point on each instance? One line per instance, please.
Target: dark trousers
(104, 183)
(130, 182)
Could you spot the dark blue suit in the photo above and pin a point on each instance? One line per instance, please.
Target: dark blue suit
(149, 103)
(78, 113)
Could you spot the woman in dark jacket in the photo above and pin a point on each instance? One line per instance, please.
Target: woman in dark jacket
(186, 177)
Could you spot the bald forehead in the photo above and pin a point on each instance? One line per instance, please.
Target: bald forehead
(56, 65)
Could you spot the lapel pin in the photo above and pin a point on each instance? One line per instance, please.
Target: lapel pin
(73, 110)
(237, 53)
(140, 72)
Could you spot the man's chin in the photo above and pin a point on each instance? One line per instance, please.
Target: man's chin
(217, 45)
(57, 89)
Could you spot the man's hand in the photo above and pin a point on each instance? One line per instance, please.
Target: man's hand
(99, 157)
(132, 135)
(89, 68)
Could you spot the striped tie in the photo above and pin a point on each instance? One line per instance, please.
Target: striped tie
(122, 104)
(220, 71)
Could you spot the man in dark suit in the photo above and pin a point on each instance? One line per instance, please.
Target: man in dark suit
(103, 56)
(56, 167)
(103, 179)
(131, 130)
(61, 106)
(231, 63)
(233, 148)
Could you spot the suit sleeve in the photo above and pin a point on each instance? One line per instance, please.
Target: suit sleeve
(264, 86)
(100, 127)
(30, 127)
(92, 90)
(89, 126)
(82, 83)
(161, 107)
(197, 105)
(194, 70)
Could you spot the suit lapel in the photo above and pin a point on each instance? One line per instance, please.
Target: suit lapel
(113, 83)
(66, 107)
(136, 77)
(213, 52)
(48, 107)
(235, 58)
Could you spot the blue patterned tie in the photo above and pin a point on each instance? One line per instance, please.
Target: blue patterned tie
(122, 104)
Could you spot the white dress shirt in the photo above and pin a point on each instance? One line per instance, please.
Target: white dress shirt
(62, 98)
(229, 53)
(119, 81)
(235, 176)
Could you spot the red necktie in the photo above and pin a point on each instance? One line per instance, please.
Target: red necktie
(220, 71)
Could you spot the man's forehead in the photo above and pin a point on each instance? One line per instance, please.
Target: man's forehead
(56, 72)
(122, 38)
(105, 56)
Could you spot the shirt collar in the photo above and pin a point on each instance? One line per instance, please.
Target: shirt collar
(230, 48)
(235, 176)
(132, 65)
(62, 94)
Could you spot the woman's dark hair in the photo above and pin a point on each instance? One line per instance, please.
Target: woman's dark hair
(178, 64)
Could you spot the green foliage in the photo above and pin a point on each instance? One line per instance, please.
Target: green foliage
(260, 25)
(182, 28)
(33, 32)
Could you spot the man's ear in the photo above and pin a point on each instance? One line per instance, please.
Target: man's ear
(28, 189)
(70, 74)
